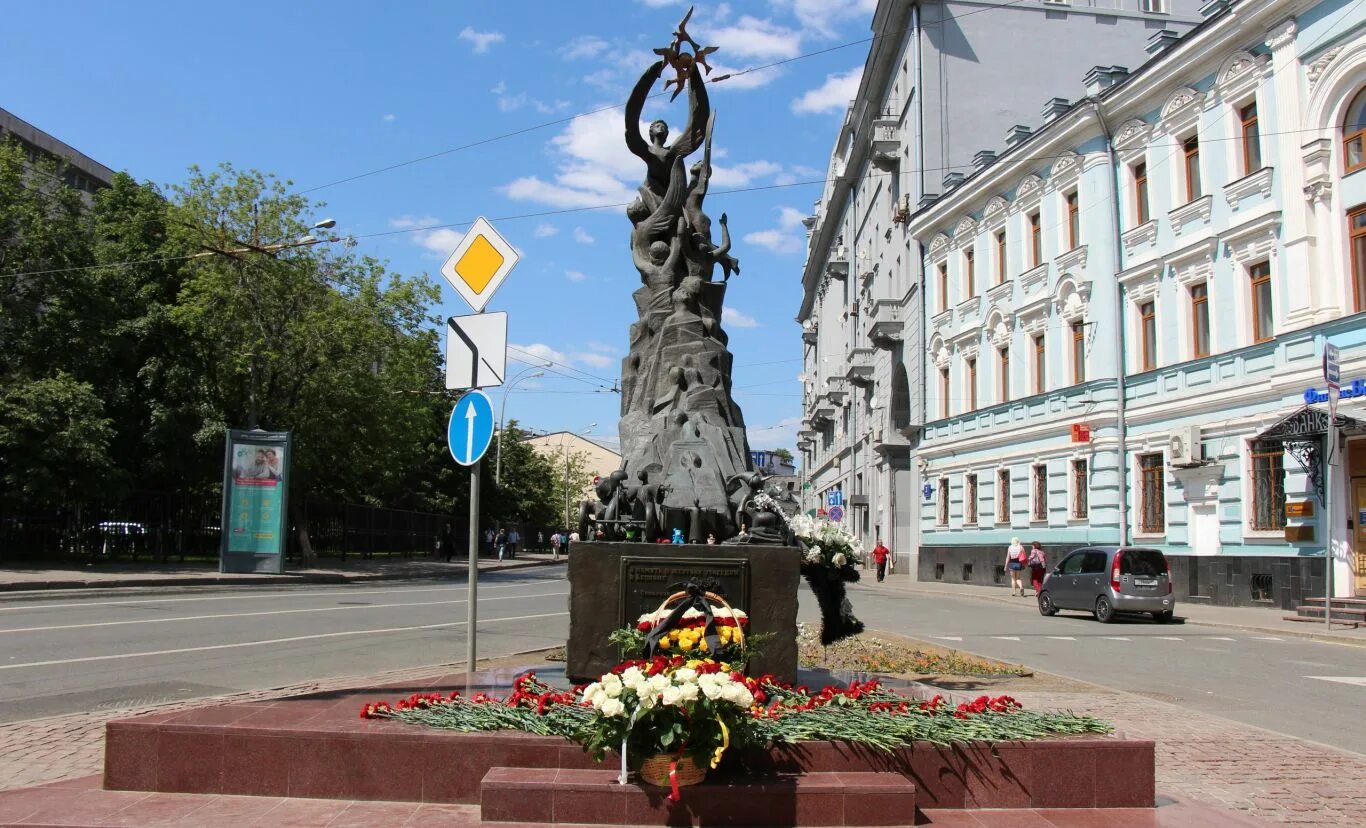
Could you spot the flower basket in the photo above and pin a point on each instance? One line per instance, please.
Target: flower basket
(655, 770)
(735, 629)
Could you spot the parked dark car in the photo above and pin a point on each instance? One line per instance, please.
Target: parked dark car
(1109, 580)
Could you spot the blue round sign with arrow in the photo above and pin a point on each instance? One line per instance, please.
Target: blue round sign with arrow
(471, 428)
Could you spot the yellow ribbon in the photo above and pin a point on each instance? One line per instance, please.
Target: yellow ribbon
(725, 743)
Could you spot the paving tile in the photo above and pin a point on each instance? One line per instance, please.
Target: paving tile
(374, 814)
(303, 813)
(159, 809)
(444, 816)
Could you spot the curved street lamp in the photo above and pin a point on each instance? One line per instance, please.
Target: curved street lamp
(527, 373)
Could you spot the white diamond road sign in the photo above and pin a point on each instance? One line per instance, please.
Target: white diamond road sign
(476, 350)
(479, 264)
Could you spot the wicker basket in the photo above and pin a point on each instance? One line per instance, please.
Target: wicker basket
(715, 600)
(655, 770)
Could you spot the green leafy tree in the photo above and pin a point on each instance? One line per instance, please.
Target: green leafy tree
(54, 442)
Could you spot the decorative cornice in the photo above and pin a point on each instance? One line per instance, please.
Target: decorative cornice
(1001, 293)
(1180, 112)
(940, 322)
(1138, 237)
(1256, 183)
(1197, 210)
(964, 231)
(1194, 263)
(1027, 193)
(1072, 299)
(969, 310)
(999, 333)
(1073, 260)
(1033, 318)
(1254, 239)
(1133, 136)
(1032, 279)
(1141, 282)
(1064, 171)
(1239, 75)
(1319, 191)
(1282, 34)
(1319, 66)
(994, 215)
(939, 246)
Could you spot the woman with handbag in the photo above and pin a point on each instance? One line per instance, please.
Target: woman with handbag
(1015, 563)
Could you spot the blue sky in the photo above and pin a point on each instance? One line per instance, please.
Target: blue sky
(322, 92)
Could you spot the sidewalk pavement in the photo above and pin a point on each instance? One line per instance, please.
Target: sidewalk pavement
(328, 571)
(1256, 619)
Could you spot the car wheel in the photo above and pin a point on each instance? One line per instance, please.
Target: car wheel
(1105, 611)
(1046, 606)
(1162, 617)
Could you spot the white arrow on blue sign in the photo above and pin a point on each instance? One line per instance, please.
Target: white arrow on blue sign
(471, 428)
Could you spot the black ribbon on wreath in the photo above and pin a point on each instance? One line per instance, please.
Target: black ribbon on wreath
(837, 612)
(696, 599)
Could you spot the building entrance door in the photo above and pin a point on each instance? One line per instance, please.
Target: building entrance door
(1204, 529)
(1359, 533)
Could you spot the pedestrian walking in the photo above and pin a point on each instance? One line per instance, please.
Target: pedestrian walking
(880, 555)
(448, 541)
(540, 540)
(555, 544)
(1038, 564)
(500, 541)
(1015, 562)
(514, 538)
(488, 541)
(573, 539)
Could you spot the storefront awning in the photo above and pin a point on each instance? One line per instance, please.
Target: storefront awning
(1308, 424)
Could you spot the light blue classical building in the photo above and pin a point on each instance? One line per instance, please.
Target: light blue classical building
(1125, 312)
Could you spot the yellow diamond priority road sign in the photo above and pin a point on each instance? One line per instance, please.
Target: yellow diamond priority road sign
(480, 263)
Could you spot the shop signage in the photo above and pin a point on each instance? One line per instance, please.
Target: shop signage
(255, 483)
(1357, 388)
(1300, 534)
(1299, 508)
(1081, 433)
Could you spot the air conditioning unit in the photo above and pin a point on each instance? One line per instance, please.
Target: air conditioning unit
(1184, 448)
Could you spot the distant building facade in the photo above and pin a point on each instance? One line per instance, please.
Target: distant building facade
(1126, 313)
(79, 170)
(772, 463)
(954, 73)
(559, 446)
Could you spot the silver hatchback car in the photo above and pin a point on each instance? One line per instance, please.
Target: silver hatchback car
(1106, 580)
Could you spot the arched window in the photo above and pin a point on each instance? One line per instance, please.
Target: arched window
(901, 398)
(1354, 133)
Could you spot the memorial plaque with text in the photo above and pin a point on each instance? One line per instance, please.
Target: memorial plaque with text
(646, 582)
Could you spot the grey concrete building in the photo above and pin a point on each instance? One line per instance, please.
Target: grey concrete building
(946, 86)
(80, 171)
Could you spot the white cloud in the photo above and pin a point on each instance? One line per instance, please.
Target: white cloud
(659, 4)
(818, 17)
(749, 80)
(481, 40)
(785, 238)
(782, 434)
(544, 231)
(575, 275)
(742, 174)
(602, 347)
(439, 240)
(751, 37)
(389, 118)
(581, 236)
(594, 360)
(832, 96)
(585, 47)
(535, 353)
(799, 172)
(736, 319)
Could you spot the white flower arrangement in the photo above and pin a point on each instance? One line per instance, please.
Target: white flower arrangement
(614, 695)
(826, 542)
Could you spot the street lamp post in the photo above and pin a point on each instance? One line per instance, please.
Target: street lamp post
(502, 409)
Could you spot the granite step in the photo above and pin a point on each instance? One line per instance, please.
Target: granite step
(551, 796)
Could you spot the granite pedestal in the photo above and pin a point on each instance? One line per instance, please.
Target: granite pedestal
(613, 584)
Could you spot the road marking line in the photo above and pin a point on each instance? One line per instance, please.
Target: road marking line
(948, 637)
(272, 641)
(268, 612)
(271, 593)
(1359, 681)
(1115, 638)
(1170, 638)
(1062, 638)
(1006, 637)
(1219, 638)
(1266, 638)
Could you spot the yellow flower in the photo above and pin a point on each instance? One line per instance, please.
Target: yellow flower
(664, 643)
(685, 645)
(703, 645)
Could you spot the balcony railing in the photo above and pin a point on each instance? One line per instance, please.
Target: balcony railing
(838, 263)
(886, 140)
(837, 389)
(884, 326)
(860, 368)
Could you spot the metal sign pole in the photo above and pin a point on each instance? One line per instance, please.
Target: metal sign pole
(471, 609)
(1331, 440)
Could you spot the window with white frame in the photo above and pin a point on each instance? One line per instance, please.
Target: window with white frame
(1259, 278)
(970, 500)
(1200, 337)
(1250, 134)
(942, 518)
(1039, 493)
(944, 388)
(1190, 168)
(1147, 334)
(1138, 174)
(1003, 374)
(1003, 496)
(1081, 490)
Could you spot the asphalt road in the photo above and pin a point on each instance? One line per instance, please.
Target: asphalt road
(96, 651)
(1275, 682)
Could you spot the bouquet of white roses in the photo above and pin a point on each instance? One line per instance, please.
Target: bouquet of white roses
(825, 543)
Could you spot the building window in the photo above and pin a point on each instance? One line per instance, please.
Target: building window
(1035, 240)
(1356, 225)
(1153, 6)
(1080, 490)
(1040, 365)
(970, 366)
(1073, 221)
(1268, 486)
(943, 392)
(1147, 327)
(1078, 352)
(1140, 173)
(943, 286)
(942, 518)
(1252, 139)
(1152, 508)
(1003, 496)
(1000, 257)
(1003, 373)
(1261, 301)
(1040, 498)
(969, 273)
(1200, 320)
(1190, 148)
(1354, 133)
(970, 500)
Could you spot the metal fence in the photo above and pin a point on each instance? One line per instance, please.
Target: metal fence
(167, 527)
